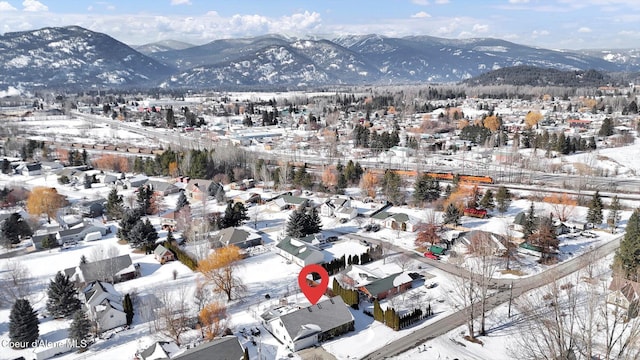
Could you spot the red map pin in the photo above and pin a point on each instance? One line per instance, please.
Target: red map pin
(313, 293)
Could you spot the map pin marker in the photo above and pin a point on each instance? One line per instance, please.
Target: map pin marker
(313, 293)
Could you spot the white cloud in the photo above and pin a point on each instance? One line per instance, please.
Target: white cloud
(420, 2)
(584, 29)
(421, 15)
(34, 6)
(5, 6)
(518, 1)
(442, 2)
(537, 33)
(89, 8)
(180, 2)
(480, 28)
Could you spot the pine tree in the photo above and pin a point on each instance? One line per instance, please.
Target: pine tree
(145, 193)
(23, 324)
(143, 235)
(295, 225)
(627, 257)
(129, 219)
(503, 199)
(606, 129)
(451, 215)
(170, 239)
(83, 259)
(127, 306)
(13, 229)
(613, 218)
(426, 189)
(80, 328)
(594, 214)
(182, 201)
(63, 298)
(114, 207)
(529, 223)
(487, 201)
(312, 223)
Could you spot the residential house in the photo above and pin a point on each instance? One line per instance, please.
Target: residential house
(198, 189)
(401, 221)
(299, 252)
(248, 198)
(159, 350)
(163, 255)
(243, 237)
(625, 294)
(51, 166)
(136, 181)
(286, 201)
(78, 233)
(168, 221)
(29, 169)
(90, 208)
(104, 305)
(379, 281)
(497, 243)
(302, 328)
(224, 348)
(116, 269)
(340, 207)
(162, 188)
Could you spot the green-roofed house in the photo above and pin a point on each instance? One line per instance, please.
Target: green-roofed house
(387, 286)
(299, 252)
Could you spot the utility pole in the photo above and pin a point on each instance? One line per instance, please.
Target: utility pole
(510, 297)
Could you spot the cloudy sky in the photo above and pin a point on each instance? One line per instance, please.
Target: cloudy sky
(556, 24)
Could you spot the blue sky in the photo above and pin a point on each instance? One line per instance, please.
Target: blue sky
(555, 24)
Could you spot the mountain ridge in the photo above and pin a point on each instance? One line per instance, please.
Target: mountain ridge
(75, 57)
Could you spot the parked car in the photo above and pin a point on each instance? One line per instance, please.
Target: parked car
(375, 227)
(431, 255)
(332, 239)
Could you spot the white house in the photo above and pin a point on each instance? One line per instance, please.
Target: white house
(302, 328)
(104, 306)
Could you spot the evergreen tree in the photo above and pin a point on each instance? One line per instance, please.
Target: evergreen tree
(143, 235)
(378, 314)
(234, 215)
(62, 297)
(426, 189)
(23, 324)
(503, 199)
(627, 258)
(296, 223)
(613, 218)
(87, 181)
(312, 223)
(606, 129)
(392, 187)
(115, 205)
(594, 214)
(170, 239)
(145, 193)
(487, 200)
(182, 201)
(129, 219)
(13, 229)
(451, 215)
(127, 306)
(220, 196)
(83, 259)
(80, 328)
(529, 223)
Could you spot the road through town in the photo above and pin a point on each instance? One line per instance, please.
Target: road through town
(520, 286)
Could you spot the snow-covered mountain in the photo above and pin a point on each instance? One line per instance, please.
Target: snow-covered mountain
(73, 57)
(76, 57)
(162, 46)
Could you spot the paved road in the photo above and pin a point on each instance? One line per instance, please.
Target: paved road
(520, 286)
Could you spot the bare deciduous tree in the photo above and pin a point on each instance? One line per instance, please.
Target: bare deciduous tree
(16, 283)
(171, 317)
